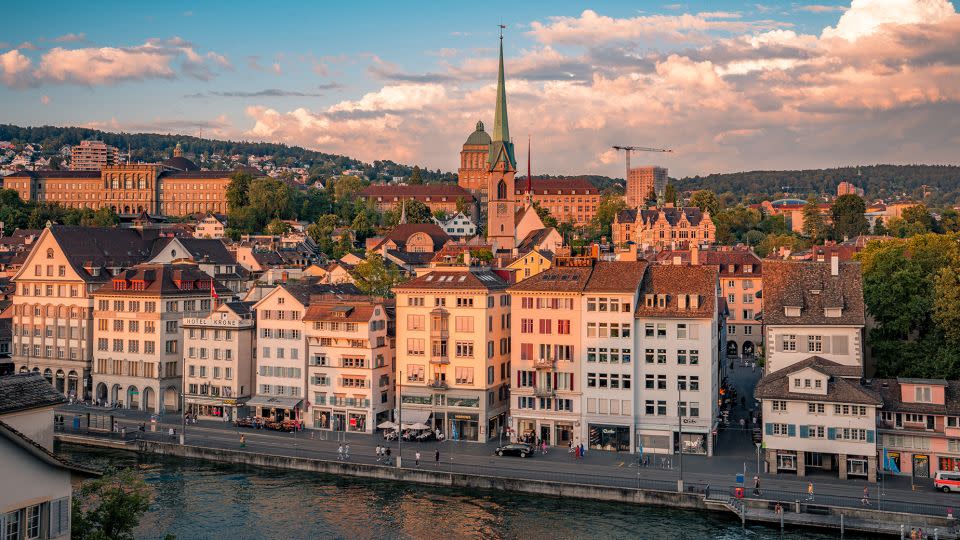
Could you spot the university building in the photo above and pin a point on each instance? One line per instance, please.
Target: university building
(665, 227)
(175, 187)
(569, 200)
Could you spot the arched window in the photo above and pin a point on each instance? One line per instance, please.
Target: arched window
(49, 253)
(501, 190)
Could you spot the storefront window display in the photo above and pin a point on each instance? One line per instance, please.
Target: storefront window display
(611, 438)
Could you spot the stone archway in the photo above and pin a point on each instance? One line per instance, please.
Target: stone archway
(732, 349)
(24, 369)
(73, 384)
(149, 401)
(61, 381)
(101, 394)
(171, 399)
(115, 394)
(48, 375)
(133, 397)
(748, 348)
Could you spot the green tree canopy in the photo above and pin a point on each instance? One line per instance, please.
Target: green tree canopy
(814, 226)
(110, 507)
(464, 206)
(610, 205)
(416, 176)
(848, 219)
(238, 189)
(270, 196)
(277, 227)
(375, 277)
(706, 201)
(879, 228)
(545, 216)
(418, 212)
(670, 194)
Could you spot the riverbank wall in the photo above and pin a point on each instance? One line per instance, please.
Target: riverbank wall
(854, 520)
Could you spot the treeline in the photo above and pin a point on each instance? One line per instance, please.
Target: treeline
(878, 182)
(151, 147)
(18, 214)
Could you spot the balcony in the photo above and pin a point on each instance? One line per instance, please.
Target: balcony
(438, 384)
(544, 392)
(544, 363)
(440, 360)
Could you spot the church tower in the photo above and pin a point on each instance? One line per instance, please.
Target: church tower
(501, 169)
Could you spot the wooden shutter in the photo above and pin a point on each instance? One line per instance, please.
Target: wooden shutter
(694, 330)
(804, 431)
(840, 345)
(831, 433)
(769, 428)
(869, 435)
(825, 343)
(791, 430)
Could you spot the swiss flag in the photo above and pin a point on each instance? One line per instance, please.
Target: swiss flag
(213, 291)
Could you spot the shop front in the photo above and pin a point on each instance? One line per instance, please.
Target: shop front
(216, 408)
(654, 442)
(609, 437)
(275, 408)
(563, 434)
(693, 443)
(464, 426)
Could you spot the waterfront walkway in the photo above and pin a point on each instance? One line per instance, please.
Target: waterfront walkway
(595, 468)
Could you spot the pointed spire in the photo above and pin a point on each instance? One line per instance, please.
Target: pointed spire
(403, 212)
(529, 177)
(501, 129)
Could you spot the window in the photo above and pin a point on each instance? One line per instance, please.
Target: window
(789, 342)
(922, 394)
(661, 408)
(779, 406)
(648, 407)
(681, 331)
(694, 357)
(815, 408)
(661, 382)
(682, 382)
(780, 429)
(546, 326)
(661, 330)
(694, 383)
(464, 349)
(414, 322)
(815, 343)
(563, 326)
(648, 330)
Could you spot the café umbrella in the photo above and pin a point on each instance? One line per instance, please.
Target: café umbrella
(387, 425)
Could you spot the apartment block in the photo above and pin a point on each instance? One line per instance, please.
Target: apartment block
(453, 352)
(138, 333)
(350, 347)
(218, 351)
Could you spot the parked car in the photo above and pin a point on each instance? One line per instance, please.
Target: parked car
(947, 481)
(516, 449)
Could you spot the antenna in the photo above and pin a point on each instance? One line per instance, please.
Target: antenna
(502, 28)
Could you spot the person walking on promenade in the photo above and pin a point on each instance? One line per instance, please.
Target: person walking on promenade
(544, 447)
(436, 457)
(417, 458)
(243, 441)
(583, 450)
(809, 491)
(866, 497)
(387, 452)
(756, 485)
(346, 452)
(377, 453)
(576, 452)
(340, 453)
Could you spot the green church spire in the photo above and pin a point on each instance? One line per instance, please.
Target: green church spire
(501, 148)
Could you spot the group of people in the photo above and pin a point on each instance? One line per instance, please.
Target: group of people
(383, 454)
(578, 450)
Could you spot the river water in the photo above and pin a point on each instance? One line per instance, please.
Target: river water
(201, 500)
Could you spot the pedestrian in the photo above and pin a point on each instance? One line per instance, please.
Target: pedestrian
(340, 452)
(583, 450)
(243, 441)
(756, 485)
(913, 534)
(809, 491)
(743, 423)
(377, 451)
(417, 458)
(544, 447)
(706, 491)
(866, 497)
(171, 432)
(576, 452)
(346, 451)
(920, 533)
(436, 457)
(570, 446)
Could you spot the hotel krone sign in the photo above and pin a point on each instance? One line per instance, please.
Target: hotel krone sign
(218, 323)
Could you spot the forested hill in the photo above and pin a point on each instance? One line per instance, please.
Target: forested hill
(151, 147)
(879, 181)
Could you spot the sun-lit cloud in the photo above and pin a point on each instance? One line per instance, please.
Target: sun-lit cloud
(70, 38)
(45, 100)
(821, 8)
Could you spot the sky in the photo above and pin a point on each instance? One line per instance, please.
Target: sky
(728, 86)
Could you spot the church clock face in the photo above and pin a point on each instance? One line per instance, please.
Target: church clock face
(501, 208)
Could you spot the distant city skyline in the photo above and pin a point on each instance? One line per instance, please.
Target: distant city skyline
(728, 85)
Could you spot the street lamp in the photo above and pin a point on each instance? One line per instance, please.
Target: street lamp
(183, 418)
(679, 441)
(758, 458)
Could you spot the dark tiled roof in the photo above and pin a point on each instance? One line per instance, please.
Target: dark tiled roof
(453, 280)
(25, 391)
(739, 258)
(436, 192)
(201, 250)
(652, 216)
(101, 247)
(180, 163)
(413, 258)
(843, 386)
(616, 276)
(533, 239)
(54, 174)
(561, 279)
(162, 279)
(198, 175)
(809, 286)
(358, 311)
(673, 281)
(401, 233)
(890, 391)
(303, 289)
(553, 186)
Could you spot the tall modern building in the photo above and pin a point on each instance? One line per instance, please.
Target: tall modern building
(642, 181)
(92, 156)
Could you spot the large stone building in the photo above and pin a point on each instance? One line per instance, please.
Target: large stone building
(664, 227)
(173, 187)
(570, 200)
(642, 182)
(453, 352)
(472, 174)
(138, 358)
(437, 197)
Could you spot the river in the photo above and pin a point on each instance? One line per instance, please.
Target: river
(201, 500)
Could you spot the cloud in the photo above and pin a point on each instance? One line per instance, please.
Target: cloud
(45, 100)
(27, 46)
(218, 127)
(269, 92)
(253, 62)
(819, 8)
(865, 16)
(389, 72)
(95, 66)
(329, 86)
(71, 38)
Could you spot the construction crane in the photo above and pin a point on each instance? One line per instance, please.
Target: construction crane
(628, 149)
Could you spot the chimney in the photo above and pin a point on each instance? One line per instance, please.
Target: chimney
(595, 251)
(834, 264)
(466, 258)
(284, 276)
(694, 254)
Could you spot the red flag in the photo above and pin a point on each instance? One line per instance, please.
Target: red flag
(213, 291)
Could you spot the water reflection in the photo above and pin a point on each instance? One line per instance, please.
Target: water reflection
(200, 500)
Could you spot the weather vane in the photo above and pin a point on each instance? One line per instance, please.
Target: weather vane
(502, 27)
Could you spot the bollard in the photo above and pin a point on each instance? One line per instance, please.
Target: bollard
(901, 531)
(841, 525)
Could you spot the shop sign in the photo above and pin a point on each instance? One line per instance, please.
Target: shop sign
(462, 417)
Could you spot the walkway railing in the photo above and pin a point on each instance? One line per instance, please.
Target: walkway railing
(846, 501)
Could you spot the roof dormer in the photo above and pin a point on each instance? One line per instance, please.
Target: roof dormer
(791, 311)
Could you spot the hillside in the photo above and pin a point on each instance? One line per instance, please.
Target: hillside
(878, 181)
(151, 147)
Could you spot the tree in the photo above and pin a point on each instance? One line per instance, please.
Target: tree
(109, 507)
(415, 176)
(361, 226)
(950, 220)
(238, 189)
(706, 201)
(753, 237)
(346, 188)
(374, 277)
(418, 212)
(773, 242)
(946, 305)
(270, 196)
(440, 215)
(670, 194)
(879, 228)
(919, 218)
(734, 222)
(814, 226)
(545, 216)
(102, 217)
(848, 219)
(277, 227)
(464, 206)
(607, 210)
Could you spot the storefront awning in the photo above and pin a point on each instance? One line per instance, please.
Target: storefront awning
(275, 402)
(411, 417)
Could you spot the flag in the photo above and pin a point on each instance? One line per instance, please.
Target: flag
(213, 291)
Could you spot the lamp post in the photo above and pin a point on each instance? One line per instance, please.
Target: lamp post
(399, 419)
(758, 458)
(183, 418)
(679, 442)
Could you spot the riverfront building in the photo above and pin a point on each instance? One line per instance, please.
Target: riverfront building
(218, 350)
(350, 368)
(453, 352)
(138, 357)
(679, 339)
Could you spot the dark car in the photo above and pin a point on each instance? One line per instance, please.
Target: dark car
(516, 449)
